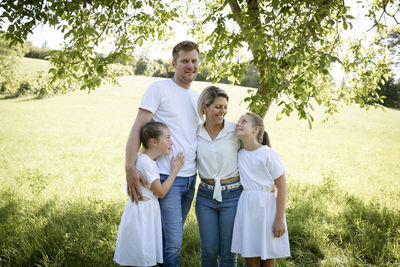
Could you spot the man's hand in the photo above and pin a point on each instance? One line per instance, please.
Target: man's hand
(133, 179)
(133, 175)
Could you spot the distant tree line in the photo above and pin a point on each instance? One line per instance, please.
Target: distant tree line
(38, 52)
(391, 92)
(163, 68)
(155, 68)
(16, 84)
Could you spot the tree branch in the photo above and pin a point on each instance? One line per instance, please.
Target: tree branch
(236, 10)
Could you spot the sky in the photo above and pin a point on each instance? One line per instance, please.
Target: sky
(54, 39)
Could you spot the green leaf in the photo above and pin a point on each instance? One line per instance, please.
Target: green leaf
(279, 116)
(275, 4)
(11, 28)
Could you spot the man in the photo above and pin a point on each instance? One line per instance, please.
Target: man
(174, 104)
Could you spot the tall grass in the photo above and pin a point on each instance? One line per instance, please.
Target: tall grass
(62, 180)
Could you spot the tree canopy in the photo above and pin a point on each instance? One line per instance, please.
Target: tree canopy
(292, 43)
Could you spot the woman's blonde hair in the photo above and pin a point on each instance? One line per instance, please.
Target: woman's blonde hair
(208, 96)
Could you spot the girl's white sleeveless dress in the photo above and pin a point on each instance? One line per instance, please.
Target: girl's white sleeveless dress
(252, 231)
(139, 240)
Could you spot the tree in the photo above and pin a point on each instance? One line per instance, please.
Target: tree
(390, 90)
(393, 41)
(144, 67)
(293, 43)
(251, 77)
(8, 59)
(85, 25)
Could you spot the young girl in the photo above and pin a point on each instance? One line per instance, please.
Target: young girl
(139, 240)
(259, 232)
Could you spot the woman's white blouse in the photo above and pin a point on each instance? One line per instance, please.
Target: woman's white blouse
(217, 159)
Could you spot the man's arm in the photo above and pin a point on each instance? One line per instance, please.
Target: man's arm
(133, 175)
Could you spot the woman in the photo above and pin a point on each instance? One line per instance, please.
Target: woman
(220, 188)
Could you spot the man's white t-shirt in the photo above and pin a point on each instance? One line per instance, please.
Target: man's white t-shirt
(175, 107)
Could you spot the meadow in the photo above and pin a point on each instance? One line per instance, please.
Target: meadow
(62, 180)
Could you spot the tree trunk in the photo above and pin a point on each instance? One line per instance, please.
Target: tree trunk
(261, 107)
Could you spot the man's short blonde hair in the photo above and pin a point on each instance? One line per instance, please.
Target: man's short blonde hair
(186, 46)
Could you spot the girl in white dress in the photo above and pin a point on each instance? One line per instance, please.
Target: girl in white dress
(139, 240)
(259, 232)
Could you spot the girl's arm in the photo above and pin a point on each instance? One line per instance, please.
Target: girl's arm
(161, 189)
(279, 225)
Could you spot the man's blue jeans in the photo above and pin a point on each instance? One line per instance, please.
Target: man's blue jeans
(215, 221)
(174, 208)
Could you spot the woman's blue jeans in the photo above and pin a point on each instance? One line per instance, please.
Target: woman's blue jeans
(215, 220)
(174, 208)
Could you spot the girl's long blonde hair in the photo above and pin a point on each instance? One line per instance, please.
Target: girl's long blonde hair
(262, 136)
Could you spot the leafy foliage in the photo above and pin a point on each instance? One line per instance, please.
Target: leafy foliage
(390, 90)
(85, 25)
(8, 58)
(36, 84)
(392, 40)
(293, 44)
(36, 52)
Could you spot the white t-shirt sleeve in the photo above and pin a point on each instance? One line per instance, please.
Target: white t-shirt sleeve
(274, 164)
(150, 172)
(151, 99)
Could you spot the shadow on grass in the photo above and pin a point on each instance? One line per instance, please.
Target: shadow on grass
(6, 97)
(79, 233)
(373, 231)
(393, 108)
(331, 228)
(326, 227)
(22, 98)
(190, 251)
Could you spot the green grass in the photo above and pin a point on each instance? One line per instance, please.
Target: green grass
(63, 184)
(28, 65)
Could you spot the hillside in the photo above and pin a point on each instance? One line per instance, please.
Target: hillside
(27, 65)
